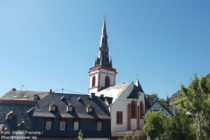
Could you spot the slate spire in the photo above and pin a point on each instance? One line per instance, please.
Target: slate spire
(103, 53)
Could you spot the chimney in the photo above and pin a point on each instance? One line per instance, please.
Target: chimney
(92, 95)
(36, 97)
(102, 96)
(51, 91)
(13, 89)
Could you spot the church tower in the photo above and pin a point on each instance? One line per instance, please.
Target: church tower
(102, 75)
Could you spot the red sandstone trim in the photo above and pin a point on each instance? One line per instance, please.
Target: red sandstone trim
(138, 118)
(129, 116)
(103, 67)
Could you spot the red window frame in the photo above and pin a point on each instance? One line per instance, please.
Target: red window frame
(119, 117)
(141, 110)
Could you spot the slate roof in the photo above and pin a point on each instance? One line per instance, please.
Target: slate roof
(21, 116)
(100, 109)
(103, 53)
(23, 95)
(135, 92)
(114, 91)
(151, 101)
(147, 102)
(166, 108)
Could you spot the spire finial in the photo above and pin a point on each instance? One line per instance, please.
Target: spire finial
(104, 18)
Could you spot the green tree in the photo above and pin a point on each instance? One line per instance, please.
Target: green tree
(197, 102)
(178, 128)
(124, 138)
(154, 124)
(154, 95)
(80, 135)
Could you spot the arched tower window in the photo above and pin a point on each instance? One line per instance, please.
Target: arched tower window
(107, 81)
(141, 110)
(93, 81)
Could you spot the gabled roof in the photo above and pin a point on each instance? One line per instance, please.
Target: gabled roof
(165, 107)
(80, 106)
(137, 90)
(134, 93)
(139, 86)
(152, 101)
(114, 91)
(23, 95)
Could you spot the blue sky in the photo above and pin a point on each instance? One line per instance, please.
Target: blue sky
(51, 44)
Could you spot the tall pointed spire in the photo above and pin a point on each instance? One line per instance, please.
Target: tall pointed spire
(103, 53)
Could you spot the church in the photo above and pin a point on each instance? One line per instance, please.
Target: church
(125, 101)
(109, 110)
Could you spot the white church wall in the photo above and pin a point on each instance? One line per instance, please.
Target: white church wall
(103, 74)
(100, 79)
(133, 124)
(91, 75)
(121, 104)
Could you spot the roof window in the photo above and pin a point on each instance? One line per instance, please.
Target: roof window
(52, 107)
(89, 109)
(69, 108)
(10, 115)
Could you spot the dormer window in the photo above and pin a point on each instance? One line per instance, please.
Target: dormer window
(52, 107)
(69, 108)
(36, 97)
(10, 115)
(89, 109)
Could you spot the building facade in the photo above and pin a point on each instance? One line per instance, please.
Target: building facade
(57, 116)
(108, 110)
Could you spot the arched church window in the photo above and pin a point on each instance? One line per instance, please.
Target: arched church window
(93, 81)
(141, 110)
(133, 109)
(107, 81)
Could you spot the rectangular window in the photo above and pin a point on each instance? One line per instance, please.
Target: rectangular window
(62, 125)
(119, 117)
(48, 124)
(133, 110)
(76, 125)
(99, 125)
